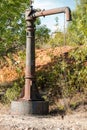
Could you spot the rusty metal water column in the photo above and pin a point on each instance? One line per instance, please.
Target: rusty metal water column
(32, 103)
(31, 15)
(31, 92)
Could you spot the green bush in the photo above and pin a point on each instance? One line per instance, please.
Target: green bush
(57, 39)
(13, 93)
(65, 75)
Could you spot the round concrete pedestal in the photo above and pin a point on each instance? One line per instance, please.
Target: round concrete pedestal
(29, 107)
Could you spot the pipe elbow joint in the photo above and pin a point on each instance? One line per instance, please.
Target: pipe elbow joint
(68, 14)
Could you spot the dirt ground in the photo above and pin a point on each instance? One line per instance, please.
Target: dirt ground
(76, 120)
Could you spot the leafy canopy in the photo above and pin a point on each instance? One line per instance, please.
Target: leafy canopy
(13, 25)
(78, 26)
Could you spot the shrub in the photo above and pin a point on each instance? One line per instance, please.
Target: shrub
(13, 93)
(65, 75)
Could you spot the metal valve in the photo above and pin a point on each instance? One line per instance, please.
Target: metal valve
(31, 2)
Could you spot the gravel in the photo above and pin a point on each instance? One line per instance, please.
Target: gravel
(75, 121)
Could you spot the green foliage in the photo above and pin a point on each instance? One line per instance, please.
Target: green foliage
(74, 105)
(13, 93)
(57, 39)
(22, 55)
(77, 30)
(12, 23)
(79, 73)
(42, 35)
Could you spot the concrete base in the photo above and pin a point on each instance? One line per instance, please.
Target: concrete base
(29, 107)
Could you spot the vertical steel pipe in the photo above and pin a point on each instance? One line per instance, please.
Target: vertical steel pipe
(30, 59)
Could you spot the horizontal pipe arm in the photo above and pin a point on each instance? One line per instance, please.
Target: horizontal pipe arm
(65, 10)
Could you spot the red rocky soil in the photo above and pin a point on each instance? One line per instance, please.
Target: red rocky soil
(43, 56)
